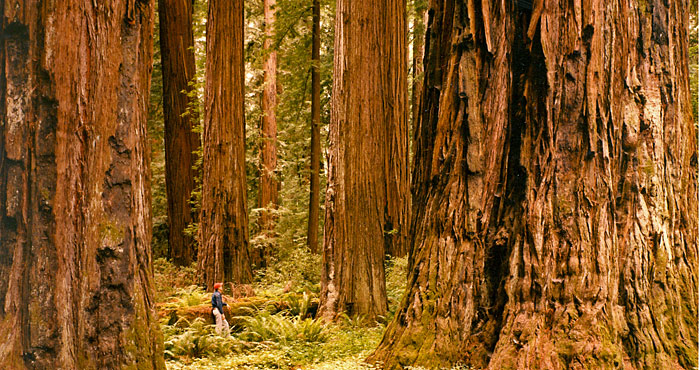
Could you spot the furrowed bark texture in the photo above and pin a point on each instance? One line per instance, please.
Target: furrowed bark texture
(555, 187)
(177, 56)
(367, 193)
(224, 253)
(268, 179)
(75, 229)
(315, 187)
(417, 60)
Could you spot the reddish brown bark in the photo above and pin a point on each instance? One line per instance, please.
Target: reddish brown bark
(224, 253)
(556, 190)
(367, 193)
(315, 187)
(268, 192)
(75, 262)
(177, 57)
(417, 60)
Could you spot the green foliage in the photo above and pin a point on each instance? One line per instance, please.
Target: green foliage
(187, 297)
(196, 339)
(169, 278)
(396, 269)
(281, 329)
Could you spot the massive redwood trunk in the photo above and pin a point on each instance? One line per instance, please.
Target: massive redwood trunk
(367, 194)
(177, 56)
(223, 251)
(555, 220)
(75, 225)
(315, 159)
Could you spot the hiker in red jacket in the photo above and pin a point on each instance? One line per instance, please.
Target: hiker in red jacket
(217, 304)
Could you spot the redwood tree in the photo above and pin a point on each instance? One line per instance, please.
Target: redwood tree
(267, 198)
(315, 158)
(224, 252)
(367, 193)
(555, 190)
(75, 226)
(177, 56)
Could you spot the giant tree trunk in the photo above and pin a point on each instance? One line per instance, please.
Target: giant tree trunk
(556, 190)
(315, 188)
(367, 194)
(267, 194)
(75, 228)
(224, 252)
(177, 55)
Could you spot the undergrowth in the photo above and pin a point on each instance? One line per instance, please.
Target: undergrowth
(260, 338)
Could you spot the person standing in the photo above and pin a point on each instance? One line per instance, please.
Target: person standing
(217, 304)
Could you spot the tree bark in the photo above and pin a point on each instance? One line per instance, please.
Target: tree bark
(75, 228)
(417, 61)
(177, 56)
(268, 179)
(224, 253)
(315, 188)
(367, 193)
(555, 190)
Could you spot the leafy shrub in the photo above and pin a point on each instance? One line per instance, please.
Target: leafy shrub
(265, 327)
(195, 340)
(187, 297)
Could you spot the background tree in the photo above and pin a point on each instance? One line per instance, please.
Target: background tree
(315, 159)
(224, 254)
(418, 45)
(366, 198)
(555, 190)
(181, 142)
(75, 258)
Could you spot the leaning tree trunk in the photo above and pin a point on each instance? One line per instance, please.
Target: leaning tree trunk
(75, 228)
(315, 183)
(223, 252)
(177, 55)
(556, 190)
(367, 193)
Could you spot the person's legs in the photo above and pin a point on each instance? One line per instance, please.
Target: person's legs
(219, 323)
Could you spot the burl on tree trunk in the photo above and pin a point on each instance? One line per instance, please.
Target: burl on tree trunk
(75, 230)
(555, 190)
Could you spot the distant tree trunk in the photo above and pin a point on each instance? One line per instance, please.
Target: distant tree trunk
(314, 197)
(224, 252)
(367, 194)
(267, 195)
(555, 189)
(75, 226)
(177, 56)
(417, 62)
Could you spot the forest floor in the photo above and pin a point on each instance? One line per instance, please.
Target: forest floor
(272, 325)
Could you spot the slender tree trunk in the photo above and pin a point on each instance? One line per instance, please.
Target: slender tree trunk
(312, 233)
(367, 193)
(177, 56)
(556, 191)
(417, 62)
(268, 180)
(75, 228)
(224, 252)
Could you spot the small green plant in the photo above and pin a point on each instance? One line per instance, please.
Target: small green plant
(187, 297)
(265, 327)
